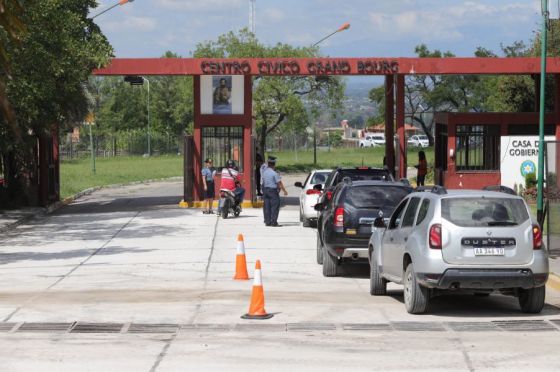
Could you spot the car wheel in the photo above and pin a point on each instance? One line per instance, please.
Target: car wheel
(416, 297)
(377, 284)
(330, 264)
(532, 300)
(319, 250)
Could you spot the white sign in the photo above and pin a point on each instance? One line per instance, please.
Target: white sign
(222, 95)
(519, 156)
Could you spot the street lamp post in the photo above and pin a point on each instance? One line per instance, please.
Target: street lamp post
(344, 27)
(121, 2)
(540, 174)
(139, 80)
(149, 129)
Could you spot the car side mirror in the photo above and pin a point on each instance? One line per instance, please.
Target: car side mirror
(379, 222)
(298, 184)
(318, 187)
(318, 207)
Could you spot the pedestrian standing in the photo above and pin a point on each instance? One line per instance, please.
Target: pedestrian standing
(208, 174)
(272, 184)
(422, 169)
(258, 163)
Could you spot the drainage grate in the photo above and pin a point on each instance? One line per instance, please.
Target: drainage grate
(367, 327)
(260, 327)
(207, 327)
(153, 328)
(418, 326)
(44, 327)
(97, 328)
(524, 325)
(473, 326)
(6, 327)
(311, 327)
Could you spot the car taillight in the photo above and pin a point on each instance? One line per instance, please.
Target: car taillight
(435, 236)
(312, 192)
(537, 237)
(339, 217)
(329, 195)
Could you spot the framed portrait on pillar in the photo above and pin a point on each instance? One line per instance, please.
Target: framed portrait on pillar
(222, 95)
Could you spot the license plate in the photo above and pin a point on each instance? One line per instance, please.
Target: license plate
(489, 251)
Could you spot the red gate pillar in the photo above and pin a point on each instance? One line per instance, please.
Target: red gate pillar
(389, 125)
(400, 126)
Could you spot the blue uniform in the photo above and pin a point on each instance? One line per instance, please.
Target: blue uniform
(271, 208)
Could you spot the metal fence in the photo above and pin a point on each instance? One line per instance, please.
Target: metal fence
(123, 144)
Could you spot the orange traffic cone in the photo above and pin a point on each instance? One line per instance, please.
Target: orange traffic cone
(240, 262)
(256, 308)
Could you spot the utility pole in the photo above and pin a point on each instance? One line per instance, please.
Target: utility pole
(540, 174)
(253, 17)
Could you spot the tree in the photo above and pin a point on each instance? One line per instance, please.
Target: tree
(11, 29)
(277, 100)
(49, 70)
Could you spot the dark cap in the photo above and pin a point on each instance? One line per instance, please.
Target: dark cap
(271, 159)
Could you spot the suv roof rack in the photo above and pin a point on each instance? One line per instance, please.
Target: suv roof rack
(500, 188)
(440, 190)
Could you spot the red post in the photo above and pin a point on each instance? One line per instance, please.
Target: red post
(400, 126)
(389, 124)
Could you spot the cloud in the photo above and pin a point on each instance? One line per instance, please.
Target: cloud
(131, 23)
(200, 5)
(273, 15)
(446, 23)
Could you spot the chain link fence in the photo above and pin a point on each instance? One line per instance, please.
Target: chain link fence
(133, 143)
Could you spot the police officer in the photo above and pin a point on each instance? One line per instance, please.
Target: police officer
(272, 184)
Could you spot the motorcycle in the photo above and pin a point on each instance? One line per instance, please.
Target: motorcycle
(228, 204)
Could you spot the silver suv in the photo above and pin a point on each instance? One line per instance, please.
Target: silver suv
(461, 240)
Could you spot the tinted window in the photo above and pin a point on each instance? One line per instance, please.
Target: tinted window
(376, 197)
(408, 219)
(472, 212)
(364, 175)
(319, 178)
(423, 211)
(396, 217)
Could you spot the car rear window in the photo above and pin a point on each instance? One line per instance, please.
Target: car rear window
(376, 197)
(319, 178)
(364, 175)
(472, 212)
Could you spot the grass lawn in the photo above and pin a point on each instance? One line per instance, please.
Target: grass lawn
(76, 175)
(289, 161)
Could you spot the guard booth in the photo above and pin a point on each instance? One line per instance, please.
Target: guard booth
(471, 149)
(223, 125)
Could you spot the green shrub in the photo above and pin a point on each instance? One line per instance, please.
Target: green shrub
(530, 180)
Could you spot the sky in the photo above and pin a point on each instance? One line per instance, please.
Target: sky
(379, 28)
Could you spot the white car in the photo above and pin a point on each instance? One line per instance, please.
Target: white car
(310, 195)
(418, 140)
(373, 140)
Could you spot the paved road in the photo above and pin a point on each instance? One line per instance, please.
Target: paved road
(124, 280)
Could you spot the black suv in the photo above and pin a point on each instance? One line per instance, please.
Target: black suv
(354, 174)
(345, 220)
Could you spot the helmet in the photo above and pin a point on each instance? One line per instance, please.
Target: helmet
(230, 164)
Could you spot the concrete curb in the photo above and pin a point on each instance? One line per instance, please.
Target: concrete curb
(53, 207)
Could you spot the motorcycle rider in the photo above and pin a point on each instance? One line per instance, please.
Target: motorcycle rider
(231, 181)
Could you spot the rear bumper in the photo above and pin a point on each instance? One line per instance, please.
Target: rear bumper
(483, 279)
(344, 246)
